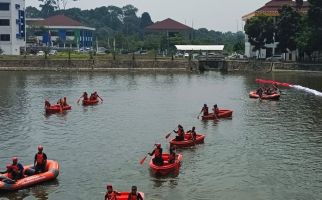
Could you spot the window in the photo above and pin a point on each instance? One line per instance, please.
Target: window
(5, 37)
(4, 6)
(4, 22)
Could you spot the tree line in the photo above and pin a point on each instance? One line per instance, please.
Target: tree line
(292, 29)
(122, 26)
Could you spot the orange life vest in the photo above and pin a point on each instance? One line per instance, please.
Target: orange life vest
(40, 158)
(15, 168)
(157, 152)
(134, 197)
(9, 175)
(180, 132)
(111, 196)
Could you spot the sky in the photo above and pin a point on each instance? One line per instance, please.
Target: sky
(219, 15)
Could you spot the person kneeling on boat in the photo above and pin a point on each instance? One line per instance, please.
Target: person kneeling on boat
(47, 104)
(259, 91)
(205, 110)
(134, 195)
(180, 133)
(157, 152)
(84, 96)
(40, 161)
(65, 102)
(17, 169)
(111, 194)
(193, 133)
(172, 156)
(9, 179)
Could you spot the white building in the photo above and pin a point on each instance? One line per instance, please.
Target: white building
(12, 26)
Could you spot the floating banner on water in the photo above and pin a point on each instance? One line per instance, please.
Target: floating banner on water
(299, 87)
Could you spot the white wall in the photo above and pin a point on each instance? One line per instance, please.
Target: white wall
(12, 47)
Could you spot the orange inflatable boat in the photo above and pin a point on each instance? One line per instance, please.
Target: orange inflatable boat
(52, 171)
(274, 96)
(188, 142)
(167, 167)
(221, 114)
(56, 109)
(90, 102)
(125, 195)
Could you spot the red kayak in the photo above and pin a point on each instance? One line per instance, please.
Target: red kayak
(222, 114)
(166, 168)
(90, 102)
(274, 96)
(188, 142)
(52, 171)
(125, 195)
(56, 108)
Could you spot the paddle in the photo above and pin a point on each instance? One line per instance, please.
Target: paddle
(79, 99)
(100, 98)
(143, 159)
(168, 135)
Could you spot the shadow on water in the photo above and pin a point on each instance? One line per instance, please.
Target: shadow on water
(39, 192)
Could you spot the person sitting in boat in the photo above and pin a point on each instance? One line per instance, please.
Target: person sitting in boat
(259, 92)
(84, 96)
(205, 110)
(180, 133)
(65, 102)
(111, 194)
(215, 109)
(193, 133)
(172, 156)
(40, 161)
(134, 195)
(157, 152)
(60, 102)
(47, 104)
(17, 169)
(9, 179)
(275, 88)
(94, 96)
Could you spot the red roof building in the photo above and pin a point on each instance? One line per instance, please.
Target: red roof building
(271, 8)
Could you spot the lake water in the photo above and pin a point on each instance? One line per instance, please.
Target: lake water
(269, 150)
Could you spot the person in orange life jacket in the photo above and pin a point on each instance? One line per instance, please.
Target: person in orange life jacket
(172, 156)
(134, 195)
(47, 104)
(215, 109)
(157, 152)
(9, 178)
(17, 169)
(205, 110)
(193, 133)
(111, 194)
(40, 161)
(85, 96)
(180, 133)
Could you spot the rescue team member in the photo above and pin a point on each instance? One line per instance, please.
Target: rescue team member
(205, 110)
(215, 109)
(40, 161)
(94, 96)
(16, 170)
(111, 194)
(193, 133)
(134, 195)
(65, 102)
(9, 179)
(157, 152)
(47, 104)
(180, 133)
(172, 157)
(84, 96)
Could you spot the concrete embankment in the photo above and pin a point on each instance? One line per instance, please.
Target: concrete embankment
(264, 66)
(95, 65)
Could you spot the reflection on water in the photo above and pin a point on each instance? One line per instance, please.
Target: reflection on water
(269, 150)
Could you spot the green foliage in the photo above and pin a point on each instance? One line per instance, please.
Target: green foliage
(1, 51)
(315, 22)
(145, 20)
(260, 31)
(288, 27)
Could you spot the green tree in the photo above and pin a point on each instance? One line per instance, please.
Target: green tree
(314, 19)
(304, 39)
(32, 12)
(57, 4)
(145, 20)
(260, 31)
(288, 27)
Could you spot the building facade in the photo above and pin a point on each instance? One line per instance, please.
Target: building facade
(12, 26)
(59, 31)
(271, 9)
